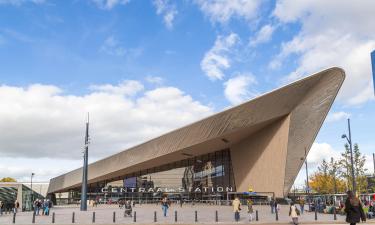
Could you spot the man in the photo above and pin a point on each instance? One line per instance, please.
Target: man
(302, 204)
(236, 209)
(272, 204)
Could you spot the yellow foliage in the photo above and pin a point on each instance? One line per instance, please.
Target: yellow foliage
(8, 179)
(325, 184)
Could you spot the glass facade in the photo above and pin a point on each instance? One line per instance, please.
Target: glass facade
(206, 177)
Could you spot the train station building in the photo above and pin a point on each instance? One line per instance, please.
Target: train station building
(259, 145)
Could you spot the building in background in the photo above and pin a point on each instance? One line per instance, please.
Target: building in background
(12, 191)
(259, 145)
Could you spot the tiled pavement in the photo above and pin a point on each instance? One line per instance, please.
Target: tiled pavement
(145, 215)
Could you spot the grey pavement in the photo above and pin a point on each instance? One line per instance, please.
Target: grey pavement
(185, 215)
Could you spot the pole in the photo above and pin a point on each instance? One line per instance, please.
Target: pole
(84, 169)
(351, 159)
(307, 182)
(32, 193)
(373, 158)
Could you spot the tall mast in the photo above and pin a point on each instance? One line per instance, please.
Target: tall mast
(84, 168)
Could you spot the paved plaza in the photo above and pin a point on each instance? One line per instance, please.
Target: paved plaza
(185, 215)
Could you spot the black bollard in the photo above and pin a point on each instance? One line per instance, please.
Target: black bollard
(73, 219)
(334, 213)
(93, 217)
(277, 214)
(135, 217)
(53, 217)
(14, 217)
(175, 216)
(216, 216)
(196, 216)
(155, 218)
(33, 220)
(114, 217)
(256, 215)
(316, 212)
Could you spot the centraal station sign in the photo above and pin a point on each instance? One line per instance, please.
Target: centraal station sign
(165, 190)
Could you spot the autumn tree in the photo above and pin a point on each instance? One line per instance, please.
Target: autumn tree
(8, 179)
(326, 179)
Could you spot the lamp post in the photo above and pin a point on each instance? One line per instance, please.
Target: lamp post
(349, 139)
(307, 180)
(84, 169)
(32, 193)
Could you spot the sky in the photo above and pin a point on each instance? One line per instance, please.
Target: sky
(143, 68)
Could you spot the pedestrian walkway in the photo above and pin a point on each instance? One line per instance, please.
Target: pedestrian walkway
(185, 215)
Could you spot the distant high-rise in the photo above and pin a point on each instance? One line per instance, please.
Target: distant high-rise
(373, 67)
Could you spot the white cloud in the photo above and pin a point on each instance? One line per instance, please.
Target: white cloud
(20, 2)
(263, 35)
(127, 87)
(168, 10)
(217, 58)
(223, 10)
(154, 80)
(44, 168)
(237, 88)
(41, 121)
(337, 116)
(320, 151)
(112, 46)
(334, 33)
(109, 4)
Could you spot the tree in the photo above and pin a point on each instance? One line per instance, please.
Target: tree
(359, 165)
(327, 180)
(8, 179)
(334, 170)
(359, 170)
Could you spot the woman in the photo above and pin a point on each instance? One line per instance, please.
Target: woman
(353, 209)
(250, 209)
(236, 208)
(294, 213)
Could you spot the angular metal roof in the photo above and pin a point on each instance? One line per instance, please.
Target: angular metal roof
(306, 101)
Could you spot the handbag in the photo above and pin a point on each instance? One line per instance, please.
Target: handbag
(298, 212)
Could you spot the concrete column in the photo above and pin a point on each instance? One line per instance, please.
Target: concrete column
(19, 195)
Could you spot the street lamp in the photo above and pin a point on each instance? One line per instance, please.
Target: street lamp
(307, 180)
(349, 139)
(31, 187)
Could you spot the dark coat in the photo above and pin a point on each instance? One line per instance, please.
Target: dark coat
(354, 211)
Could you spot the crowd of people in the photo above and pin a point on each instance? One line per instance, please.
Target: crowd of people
(7, 206)
(42, 207)
(353, 208)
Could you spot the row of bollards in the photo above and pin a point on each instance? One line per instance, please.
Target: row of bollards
(175, 216)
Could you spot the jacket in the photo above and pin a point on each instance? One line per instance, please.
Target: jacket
(354, 211)
(236, 205)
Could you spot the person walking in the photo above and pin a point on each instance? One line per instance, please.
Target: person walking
(250, 209)
(302, 204)
(46, 207)
(165, 205)
(16, 206)
(1, 208)
(236, 209)
(272, 205)
(294, 213)
(353, 209)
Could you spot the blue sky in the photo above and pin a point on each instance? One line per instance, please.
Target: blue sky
(197, 57)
